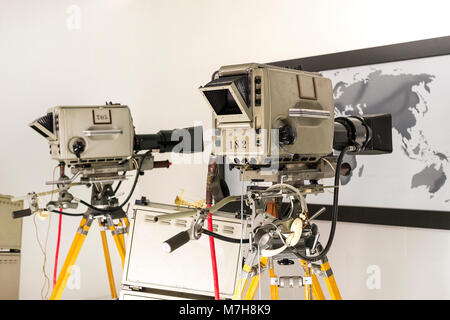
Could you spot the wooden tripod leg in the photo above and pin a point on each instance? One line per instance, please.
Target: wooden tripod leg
(119, 243)
(307, 286)
(330, 281)
(71, 258)
(242, 283)
(254, 283)
(247, 271)
(109, 270)
(306, 275)
(317, 290)
(121, 236)
(273, 286)
(239, 289)
(127, 223)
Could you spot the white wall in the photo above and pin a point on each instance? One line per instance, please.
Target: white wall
(153, 55)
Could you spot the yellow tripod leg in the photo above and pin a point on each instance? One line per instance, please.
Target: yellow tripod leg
(239, 289)
(307, 274)
(273, 287)
(317, 290)
(307, 286)
(247, 270)
(120, 247)
(112, 284)
(254, 283)
(242, 283)
(330, 281)
(127, 223)
(121, 236)
(119, 244)
(71, 258)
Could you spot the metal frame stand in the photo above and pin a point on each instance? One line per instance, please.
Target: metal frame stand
(309, 281)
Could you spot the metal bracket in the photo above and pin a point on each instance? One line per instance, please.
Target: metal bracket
(290, 282)
(119, 231)
(132, 288)
(274, 281)
(309, 113)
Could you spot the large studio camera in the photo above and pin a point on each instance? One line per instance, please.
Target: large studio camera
(266, 116)
(277, 125)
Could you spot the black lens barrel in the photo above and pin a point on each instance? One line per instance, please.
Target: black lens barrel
(187, 140)
(370, 134)
(350, 131)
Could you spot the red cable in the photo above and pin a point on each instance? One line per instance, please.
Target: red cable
(213, 257)
(55, 270)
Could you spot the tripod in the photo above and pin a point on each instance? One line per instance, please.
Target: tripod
(106, 222)
(309, 281)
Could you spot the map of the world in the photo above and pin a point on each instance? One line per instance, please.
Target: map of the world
(416, 175)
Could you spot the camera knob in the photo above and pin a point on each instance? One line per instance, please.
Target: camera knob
(78, 147)
(286, 135)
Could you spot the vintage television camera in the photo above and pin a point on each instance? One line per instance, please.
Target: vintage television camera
(99, 145)
(93, 134)
(277, 118)
(277, 125)
(87, 134)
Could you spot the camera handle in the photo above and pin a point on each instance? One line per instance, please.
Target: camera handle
(183, 237)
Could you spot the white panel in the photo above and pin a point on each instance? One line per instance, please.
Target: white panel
(10, 229)
(188, 268)
(133, 295)
(9, 276)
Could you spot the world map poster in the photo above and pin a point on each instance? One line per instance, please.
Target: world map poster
(417, 94)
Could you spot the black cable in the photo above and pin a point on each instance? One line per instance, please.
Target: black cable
(334, 212)
(68, 214)
(223, 238)
(129, 194)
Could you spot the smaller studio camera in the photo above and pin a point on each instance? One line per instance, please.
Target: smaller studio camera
(100, 146)
(105, 134)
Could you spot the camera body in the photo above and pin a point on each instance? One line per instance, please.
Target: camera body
(88, 134)
(263, 113)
